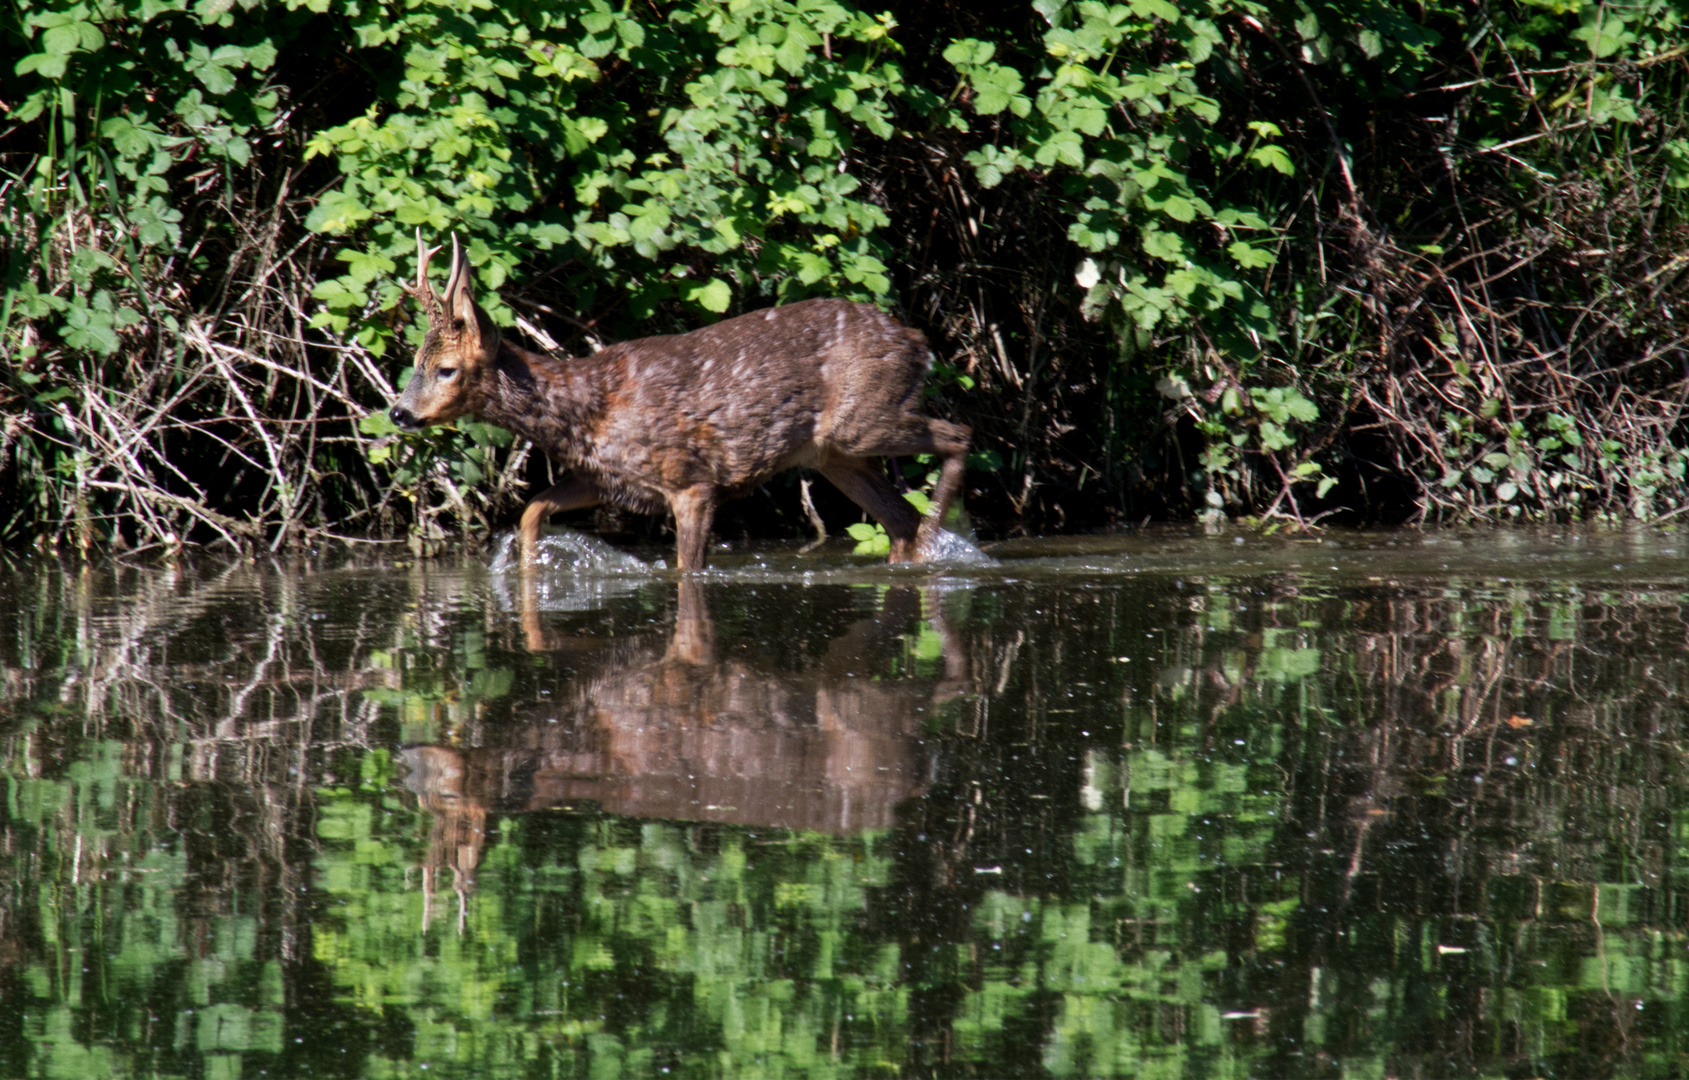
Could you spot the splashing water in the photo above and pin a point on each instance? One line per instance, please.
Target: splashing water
(949, 547)
(567, 550)
(575, 572)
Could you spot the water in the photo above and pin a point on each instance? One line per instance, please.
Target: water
(1160, 805)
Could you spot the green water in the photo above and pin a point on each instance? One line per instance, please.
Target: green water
(1169, 805)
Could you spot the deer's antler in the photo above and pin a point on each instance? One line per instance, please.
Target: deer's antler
(424, 292)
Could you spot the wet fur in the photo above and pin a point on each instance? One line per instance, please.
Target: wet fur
(683, 421)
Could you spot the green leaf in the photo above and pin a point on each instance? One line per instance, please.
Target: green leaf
(364, 268)
(127, 138)
(46, 65)
(1167, 246)
(378, 423)
(1273, 157)
(996, 88)
(217, 79)
(486, 435)
(67, 38)
(969, 52)
(87, 328)
(261, 55)
(992, 164)
(1604, 31)
(813, 267)
(714, 295)
(1064, 148)
(1273, 437)
(1179, 208)
(337, 212)
(1160, 9)
(1249, 256)
(871, 539)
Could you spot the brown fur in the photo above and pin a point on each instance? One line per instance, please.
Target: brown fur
(687, 420)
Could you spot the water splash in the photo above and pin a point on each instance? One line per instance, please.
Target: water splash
(571, 572)
(948, 547)
(568, 551)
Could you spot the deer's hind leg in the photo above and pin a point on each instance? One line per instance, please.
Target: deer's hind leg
(915, 434)
(865, 483)
(950, 443)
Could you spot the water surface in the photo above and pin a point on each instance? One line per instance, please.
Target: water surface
(1165, 804)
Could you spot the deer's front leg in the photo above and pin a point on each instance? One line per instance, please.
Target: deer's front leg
(572, 494)
(694, 511)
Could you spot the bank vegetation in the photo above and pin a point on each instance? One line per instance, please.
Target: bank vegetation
(1303, 261)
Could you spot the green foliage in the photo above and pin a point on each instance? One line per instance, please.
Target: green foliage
(717, 174)
(139, 137)
(1497, 317)
(1117, 112)
(1377, 210)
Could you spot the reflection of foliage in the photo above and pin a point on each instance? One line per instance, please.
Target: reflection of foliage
(1175, 829)
(433, 701)
(695, 948)
(1111, 963)
(113, 951)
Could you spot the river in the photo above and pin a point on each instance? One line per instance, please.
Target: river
(1165, 804)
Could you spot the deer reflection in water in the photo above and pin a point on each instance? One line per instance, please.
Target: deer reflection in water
(676, 732)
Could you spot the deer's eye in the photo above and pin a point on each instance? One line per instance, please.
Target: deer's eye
(445, 374)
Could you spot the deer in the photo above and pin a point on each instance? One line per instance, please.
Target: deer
(683, 422)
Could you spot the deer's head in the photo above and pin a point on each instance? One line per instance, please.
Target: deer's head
(458, 349)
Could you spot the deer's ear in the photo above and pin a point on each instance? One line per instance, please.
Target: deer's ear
(480, 334)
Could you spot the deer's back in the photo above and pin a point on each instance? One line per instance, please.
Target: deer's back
(734, 403)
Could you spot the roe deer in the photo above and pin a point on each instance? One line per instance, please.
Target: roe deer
(687, 420)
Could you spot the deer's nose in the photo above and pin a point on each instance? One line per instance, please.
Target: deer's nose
(402, 417)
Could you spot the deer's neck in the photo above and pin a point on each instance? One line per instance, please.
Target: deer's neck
(551, 401)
